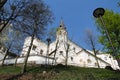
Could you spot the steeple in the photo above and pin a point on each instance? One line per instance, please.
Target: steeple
(61, 32)
(62, 25)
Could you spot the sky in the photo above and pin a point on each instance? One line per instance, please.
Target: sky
(78, 16)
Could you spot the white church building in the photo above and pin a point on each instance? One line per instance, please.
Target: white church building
(64, 51)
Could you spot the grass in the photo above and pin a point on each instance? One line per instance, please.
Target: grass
(61, 73)
(9, 70)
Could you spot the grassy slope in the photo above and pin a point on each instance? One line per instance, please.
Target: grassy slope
(61, 73)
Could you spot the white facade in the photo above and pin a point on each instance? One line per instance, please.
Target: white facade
(2, 52)
(63, 49)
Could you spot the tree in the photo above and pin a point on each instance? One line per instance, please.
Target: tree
(10, 12)
(2, 3)
(7, 41)
(92, 41)
(52, 33)
(112, 24)
(36, 16)
(18, 45)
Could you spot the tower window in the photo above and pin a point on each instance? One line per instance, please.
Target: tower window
(61, 52)
(34, 47)
(60, 25)
(109, 56)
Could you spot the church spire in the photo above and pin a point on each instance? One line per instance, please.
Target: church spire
(62, 24)
(61, 32)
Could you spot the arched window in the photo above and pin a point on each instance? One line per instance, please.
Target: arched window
(105, 58)
(89, 61)
(34, 47)
(71, 58)
(4, 50)
(96, 64)
(74, 48)
(80, 60)
(0, 47)
(41, 51)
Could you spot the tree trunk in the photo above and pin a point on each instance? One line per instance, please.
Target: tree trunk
(6, 22)
(5, 57)
(96, 59)
(66, 60)
(94, 50)
(55, 51)
(7, 53)
(16, 60)
(27, 55)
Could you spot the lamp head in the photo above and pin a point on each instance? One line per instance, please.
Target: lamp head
(98, 12)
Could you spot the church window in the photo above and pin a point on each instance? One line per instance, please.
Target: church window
(96, 64)
(61, 53)
(80, 60)
(60, 32)
(60, 25)
(71, 58)
(0, 47)
(41, 51)
(61, 41)
(74, 48)
(34, 47)
(22, 55)
(51, 49)
(89, 61)
(4, 50)
(109, 56)
(105, 58)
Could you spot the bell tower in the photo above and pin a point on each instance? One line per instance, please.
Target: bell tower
(61, 33)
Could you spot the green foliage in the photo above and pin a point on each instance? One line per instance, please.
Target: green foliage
(112, 24)
(4, 37)
(36, 15)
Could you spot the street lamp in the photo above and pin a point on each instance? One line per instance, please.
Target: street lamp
(98, 13)
(48, 41)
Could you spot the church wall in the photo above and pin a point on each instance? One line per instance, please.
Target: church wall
(83, 59)
(108, 58)
(31, 60)
(77, 56)
(38, 47)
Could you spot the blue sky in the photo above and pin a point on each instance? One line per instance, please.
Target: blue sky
(78, 16)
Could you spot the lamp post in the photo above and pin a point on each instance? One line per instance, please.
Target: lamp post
(98, 13)
(48, 41)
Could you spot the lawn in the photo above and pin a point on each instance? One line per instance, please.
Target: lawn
(58, 73)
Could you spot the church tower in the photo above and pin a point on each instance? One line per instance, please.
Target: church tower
(61, 33)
